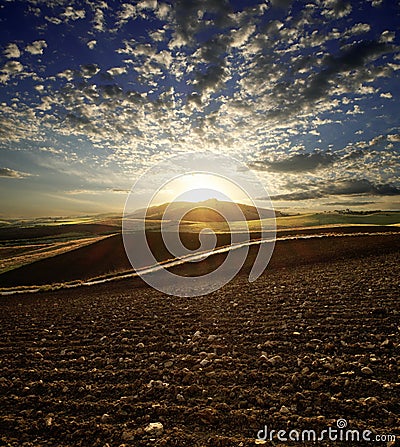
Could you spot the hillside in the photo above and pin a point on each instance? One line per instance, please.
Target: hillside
(211, 210)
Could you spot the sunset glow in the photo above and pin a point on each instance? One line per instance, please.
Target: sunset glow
(198, 187)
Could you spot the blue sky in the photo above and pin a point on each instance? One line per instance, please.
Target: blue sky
(92, 93)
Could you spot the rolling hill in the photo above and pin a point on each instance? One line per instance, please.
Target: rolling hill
(211, 210)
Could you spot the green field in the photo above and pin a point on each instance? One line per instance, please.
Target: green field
(318, 219)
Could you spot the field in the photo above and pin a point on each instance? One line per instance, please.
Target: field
(308, 220)
(47, 251)
(315, 339)
(308, 343)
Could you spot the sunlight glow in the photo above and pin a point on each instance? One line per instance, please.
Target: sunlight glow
(198, 187)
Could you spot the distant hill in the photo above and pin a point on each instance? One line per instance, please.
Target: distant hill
(211, 210)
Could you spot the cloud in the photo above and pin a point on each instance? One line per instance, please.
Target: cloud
(163, 10)
(111, 91)
(188, 19)
(362, 186)
(376, 3)
(36, 47)
(12, 67)
(387, 36)
(352, 57)
(67, 74)
(349, 203)
(297, 163)
(9, 69)
(241, 36)
(46, 103)
(121, 191)
(394, 138)
(91, 44)
(127, 12)
(157, 35)
(54, 20)
(98, 20)
(212, 80)
(73, 14)
(257, 80)
(89, 70)
(147, 4)
(301, 195)
(12, 51)
(347, 187)
(337, 8)
(116, 71)
(281, 3)
(75, 192)
(10, 173)
(358, 28)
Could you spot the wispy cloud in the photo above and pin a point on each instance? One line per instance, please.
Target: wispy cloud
(11, 173)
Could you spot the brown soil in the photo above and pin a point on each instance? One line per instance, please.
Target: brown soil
(94, 366)
(108, 256)
(39, 232)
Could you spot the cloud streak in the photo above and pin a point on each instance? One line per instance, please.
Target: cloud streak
(351, 187)
(11, 173)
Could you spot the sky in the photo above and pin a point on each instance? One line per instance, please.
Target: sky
(303, 93)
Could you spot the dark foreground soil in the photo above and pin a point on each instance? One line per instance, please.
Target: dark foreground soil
(298, 349)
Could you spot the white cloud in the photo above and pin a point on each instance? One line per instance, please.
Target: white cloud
(116, 71)
(147, 4)
(158, 35)
(98, 20)
(53, 20)
(127, 12)
(10, 69)
(89, 70)
(355, 111)
(36, 47)
(163, 10)
(12, 51)
(91, 44)
(46, 104)
(358, 28)
(387, 36)
(73, 14)
(11, 173)
(67, 74)
(240, 36)
(394, 138)
(164, 58)
(386, 95)
(336, 8)
(376, 3)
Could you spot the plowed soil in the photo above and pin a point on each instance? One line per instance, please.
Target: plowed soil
(300, 348)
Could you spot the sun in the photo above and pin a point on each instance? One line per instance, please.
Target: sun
(199, 187)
